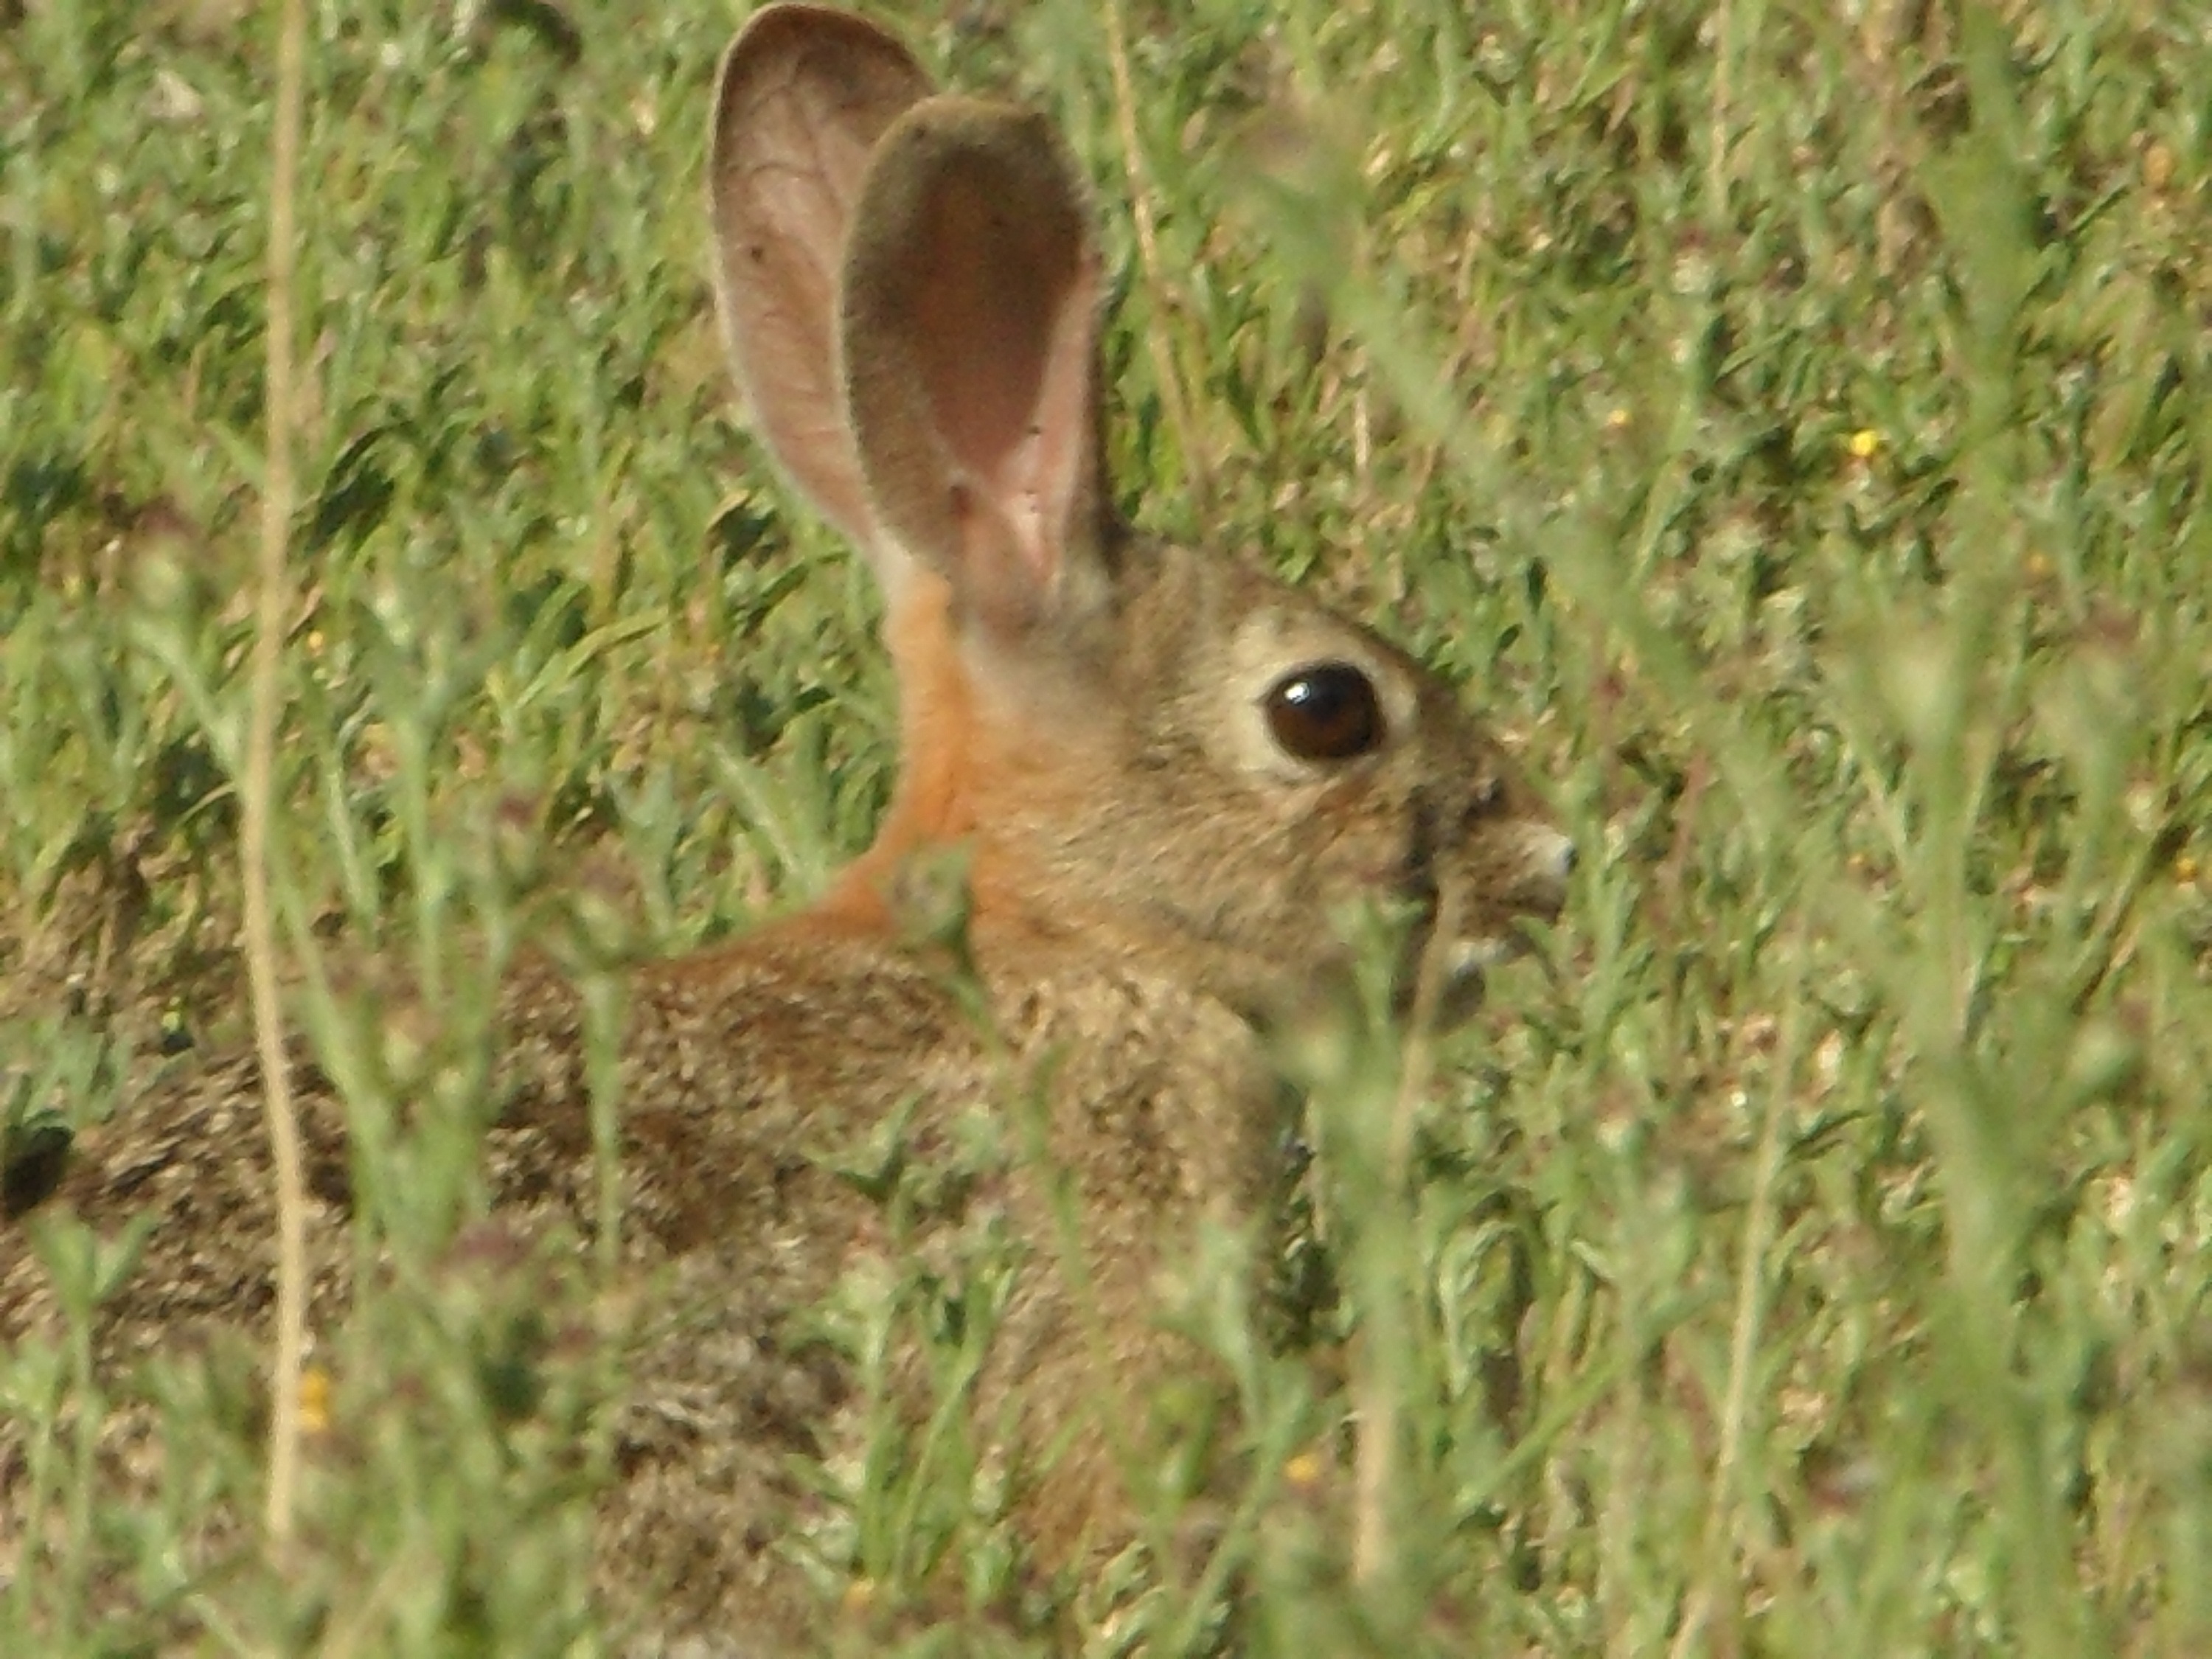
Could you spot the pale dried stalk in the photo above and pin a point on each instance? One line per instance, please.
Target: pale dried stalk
(255, 786)
(1375, 1450)
(1724, 1510)
(1148, 251)
(1716, 160)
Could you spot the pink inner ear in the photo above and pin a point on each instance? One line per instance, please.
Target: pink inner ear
(1003, 333)
(805, 95)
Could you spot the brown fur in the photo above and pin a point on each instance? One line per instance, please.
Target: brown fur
(1145, 879)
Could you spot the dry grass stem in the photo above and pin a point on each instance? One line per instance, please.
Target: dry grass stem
(1148, 254)
(289, 1337)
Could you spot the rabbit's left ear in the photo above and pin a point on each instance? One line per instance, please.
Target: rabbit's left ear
(803, 95)
(969, 320)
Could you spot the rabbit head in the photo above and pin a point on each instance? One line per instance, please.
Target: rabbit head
(1146, 748)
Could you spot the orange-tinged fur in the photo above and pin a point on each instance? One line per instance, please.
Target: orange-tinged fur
(933, 803)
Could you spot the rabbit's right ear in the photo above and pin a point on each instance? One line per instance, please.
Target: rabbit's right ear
(970, 326)
(803, 95)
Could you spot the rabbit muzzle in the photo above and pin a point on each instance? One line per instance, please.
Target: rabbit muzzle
(1472, 925)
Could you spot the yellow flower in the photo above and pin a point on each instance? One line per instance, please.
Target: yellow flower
(1304, 1471)
(1864, 443)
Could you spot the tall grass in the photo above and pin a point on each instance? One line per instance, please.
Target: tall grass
(1790, 424)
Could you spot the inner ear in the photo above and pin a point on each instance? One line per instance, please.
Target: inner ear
(1004, 319)
(970, 335)
(802, 98)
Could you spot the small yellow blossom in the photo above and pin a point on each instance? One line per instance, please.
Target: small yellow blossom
(2184, 869)
(1616, 420)
(1864, 443)
(1304, 1471)
(314, 1400)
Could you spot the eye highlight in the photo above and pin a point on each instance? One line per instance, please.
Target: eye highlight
(1325, 711)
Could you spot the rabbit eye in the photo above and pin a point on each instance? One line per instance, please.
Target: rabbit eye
(1325, 711)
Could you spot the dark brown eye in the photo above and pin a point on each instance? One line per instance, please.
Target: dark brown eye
(1325, 711)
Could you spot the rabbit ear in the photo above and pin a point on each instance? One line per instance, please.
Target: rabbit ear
(805, 93)
(971, 331)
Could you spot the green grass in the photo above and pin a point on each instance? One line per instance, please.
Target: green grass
(1794, 431)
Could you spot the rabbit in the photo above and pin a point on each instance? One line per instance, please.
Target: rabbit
(1137, 779)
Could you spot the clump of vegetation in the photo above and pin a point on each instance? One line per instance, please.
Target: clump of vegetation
(1791, 426)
